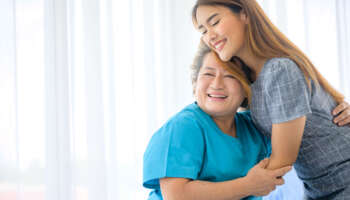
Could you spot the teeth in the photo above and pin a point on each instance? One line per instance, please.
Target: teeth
(218, 45)
(217, 96)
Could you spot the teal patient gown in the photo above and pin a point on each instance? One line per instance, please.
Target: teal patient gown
(190, 145)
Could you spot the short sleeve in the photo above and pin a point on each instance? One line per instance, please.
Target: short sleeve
(175, 150)
(287, 93)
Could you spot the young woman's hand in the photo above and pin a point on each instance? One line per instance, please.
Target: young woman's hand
(342, 114)
(264, 181)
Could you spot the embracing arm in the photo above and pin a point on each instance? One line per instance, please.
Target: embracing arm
(285, 142)
(342, 114)
(258, 182)
(286, 137)
(181, 188)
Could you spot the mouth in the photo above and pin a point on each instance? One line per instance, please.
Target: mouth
(217, 96)
(219, 45)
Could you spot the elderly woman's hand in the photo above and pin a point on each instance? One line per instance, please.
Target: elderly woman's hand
(262, 181)
(342, 113)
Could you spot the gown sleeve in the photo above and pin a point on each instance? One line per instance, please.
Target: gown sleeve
(175, 150)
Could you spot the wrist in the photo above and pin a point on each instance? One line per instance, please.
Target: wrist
(247, 189)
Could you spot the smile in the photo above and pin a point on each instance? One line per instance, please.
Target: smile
(217, 96)
(220, 44)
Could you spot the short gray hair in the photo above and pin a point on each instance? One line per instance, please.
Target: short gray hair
(197, 64)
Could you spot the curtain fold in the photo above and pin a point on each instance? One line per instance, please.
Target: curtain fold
(9, 152)
(57, 106)
(343, 34)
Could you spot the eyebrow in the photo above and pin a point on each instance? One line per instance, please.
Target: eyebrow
(209, 19)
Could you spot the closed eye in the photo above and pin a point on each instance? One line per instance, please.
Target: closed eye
(230, 76)
(216, 23)
(208, 74)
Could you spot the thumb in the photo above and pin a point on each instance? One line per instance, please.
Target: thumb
(264, 163)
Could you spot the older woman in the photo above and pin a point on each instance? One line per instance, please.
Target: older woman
(209, 150)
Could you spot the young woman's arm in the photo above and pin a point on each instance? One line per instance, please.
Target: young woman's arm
(258, 182)
(285, 142)
(286, 137)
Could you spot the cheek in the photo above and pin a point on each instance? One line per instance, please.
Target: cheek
(234, 31)
(223, 29)
(226, 28)
(198, 90)
(206, 40)
(202, 89)
(238, 90)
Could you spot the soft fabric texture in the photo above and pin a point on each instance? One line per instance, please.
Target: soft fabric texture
(190, 145)
(281, 94)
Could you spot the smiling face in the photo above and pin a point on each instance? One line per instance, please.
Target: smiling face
(222, 30)
(217, 92)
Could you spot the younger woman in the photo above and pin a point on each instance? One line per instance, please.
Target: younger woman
(291, 102)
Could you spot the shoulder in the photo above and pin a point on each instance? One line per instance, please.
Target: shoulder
(280, 71)
(274, 64)
(244, 116)
(180, 131)
(280, 66)
(175, 150)
(183, 125)
(188, 116)
(246, 123)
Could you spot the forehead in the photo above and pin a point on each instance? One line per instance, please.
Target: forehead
(205, 11)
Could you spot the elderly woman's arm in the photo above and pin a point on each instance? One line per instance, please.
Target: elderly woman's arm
(258, 182)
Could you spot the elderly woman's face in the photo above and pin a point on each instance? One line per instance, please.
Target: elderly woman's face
(217, 92)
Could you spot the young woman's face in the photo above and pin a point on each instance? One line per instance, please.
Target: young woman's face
(217, 92)
(222, 30)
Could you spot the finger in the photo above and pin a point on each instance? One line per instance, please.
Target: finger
(340, 108)
(345, 121)
(282, 171)
(279, 181)
(344, 114)
(272, 188)
(264, 163)
(338, 118)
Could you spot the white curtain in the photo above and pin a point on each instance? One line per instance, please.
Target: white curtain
(85, 83)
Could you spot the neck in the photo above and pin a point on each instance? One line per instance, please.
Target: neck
(254, 63)
(226, 124)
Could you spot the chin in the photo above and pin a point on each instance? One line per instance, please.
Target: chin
(224, 57)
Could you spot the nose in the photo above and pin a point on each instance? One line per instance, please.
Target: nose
(218, 82)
